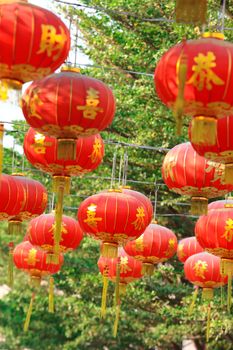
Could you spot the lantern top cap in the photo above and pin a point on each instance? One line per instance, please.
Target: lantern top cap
(18, 174)
(11, 1)
(215, 35)
(118, 190)
(70, 69)
(154, 222)
(125, 187)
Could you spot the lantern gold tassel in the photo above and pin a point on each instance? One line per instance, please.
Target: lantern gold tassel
(29, 313)
(14, 227)
(10, 265)
(66, 149)
(117, 318)
(109, 250)
(148, 269)
(228, 174)
(191, 11)
(104, 296)
(227, 270)
(179, 103)
(117, 298)
(204, 130)
(199, 206)
(194, 298)
(229, 291)
(58, 221)
(208, 323)
(51, 294)
(1, 145)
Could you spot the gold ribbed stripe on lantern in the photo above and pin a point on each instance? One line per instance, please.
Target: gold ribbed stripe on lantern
(191, 11)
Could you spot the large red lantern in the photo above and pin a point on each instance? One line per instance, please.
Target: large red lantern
(222, 150)
(34, 261)
(157, 244)
(41, 152)
(188, 247)
(68, 105)
(34, 42)
(187, 173)
(214, 232)
(41, 233)
(113, 217)
(194, 78)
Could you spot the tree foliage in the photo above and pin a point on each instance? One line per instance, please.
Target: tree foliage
(154, 311)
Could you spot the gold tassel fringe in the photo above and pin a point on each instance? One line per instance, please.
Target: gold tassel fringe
(191, 11)
(116, 322)
(14, 227)
(122, 288)
(208, 323)
(29, 314)
(64, 181)
(58, 220)
(228, 174)
(179, 103)
(199, 206)
(66, 149)
(147, 269)
(35, 281)
(229, 291)
(109, 250)
(104, 296)
(204, 130)
(10, 265)
(51, 294)
(1, 145)
(194, 298)
(207, 293)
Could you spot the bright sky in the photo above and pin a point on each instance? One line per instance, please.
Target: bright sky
(8, 111)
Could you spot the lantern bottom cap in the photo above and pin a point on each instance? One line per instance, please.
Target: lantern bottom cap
(147, 269)
(207, 293)
(199, 206)
(109, 250)
(204, 130)
(12, 83)
(35, 281)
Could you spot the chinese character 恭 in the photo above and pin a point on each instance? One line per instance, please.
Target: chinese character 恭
(228, 234)
(139, 223)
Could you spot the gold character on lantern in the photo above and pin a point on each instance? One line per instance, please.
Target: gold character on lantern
(181, 250)
(124, 267)
(171, 246)
(40, 145)
(33, 101)
(64, 230)
(200, 267)
(168, 167)
(139, 245)
(31, 259)
(91, 108)
(203, 75)
(96, 153)
(139, 223)
(228, 234)
(91, 219)
(219, 171)
(52, 41)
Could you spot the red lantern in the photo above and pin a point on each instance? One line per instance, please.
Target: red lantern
(221, 204)
(194, 78)
(145, 200)
(203, 270)
(188, 247)
(222, 150)
(34, 42)
(157, 244)
(35, 262)
(68, 105)
(113, 217)
(41, 151)
(41, 233)
(187, 173)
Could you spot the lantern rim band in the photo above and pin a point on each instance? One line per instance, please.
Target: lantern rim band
(12, 83)
(214, 35)
(71, 69)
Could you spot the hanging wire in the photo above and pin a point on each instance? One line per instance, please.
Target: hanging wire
(120, 170)
(113, 177)
(155, 200)
(223, 3)
(125, 169)
(76, 46)
(13, 157)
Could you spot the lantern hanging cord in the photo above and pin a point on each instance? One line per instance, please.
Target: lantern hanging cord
(125, 169)
(223, 4)
(155, 200)
(124, 13)
(113, 177)
(120, 170)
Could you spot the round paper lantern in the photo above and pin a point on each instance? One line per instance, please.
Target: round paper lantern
(145, 200)
(41, 152)
(157, 244)
(222, 150)
(188, 247)
(113, 217)
(194, 78)
(203, 270)
(68, 105)
(187, 173)
(34, 42)
(41, 233)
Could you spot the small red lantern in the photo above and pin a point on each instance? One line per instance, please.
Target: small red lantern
(188, 247)
(113, 217)
(187, 173)
(41, 152)
(68, 105)
(34, 261)
(222, 150)
(41, 233)
(157, 244)
(34, 42)
(194, 78)
(203, 270)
